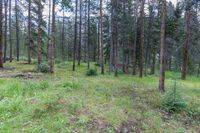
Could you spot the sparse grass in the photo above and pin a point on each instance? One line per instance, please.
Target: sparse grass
(71, 102)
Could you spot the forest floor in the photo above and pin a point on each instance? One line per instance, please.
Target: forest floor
(73, 102)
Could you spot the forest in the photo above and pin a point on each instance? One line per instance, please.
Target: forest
(100, 66)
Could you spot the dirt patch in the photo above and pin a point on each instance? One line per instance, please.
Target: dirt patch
(6, 69)
(98, 125)
(26, 75)
(130, 126)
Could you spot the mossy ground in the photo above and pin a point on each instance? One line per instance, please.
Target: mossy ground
(73, 102)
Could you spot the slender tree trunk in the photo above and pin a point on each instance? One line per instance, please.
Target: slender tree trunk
(198, 72)
(80, 34)
(1, 25)
(148, 39)
(5, 31)
(153, 61)
(141, 37)
(111, 46)
(101, 37)
(88, 45)
(162, 48)
(186, 43)
(52, 44)
(98, 47)
(49, 29)
(29, 32)
(10, 30)
(75, 36)
(85, 32)
(135, 39)
(115, 39)
(39, 41)
(63, 35)
(17, 29)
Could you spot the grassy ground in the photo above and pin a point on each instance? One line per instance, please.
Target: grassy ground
(72, 102)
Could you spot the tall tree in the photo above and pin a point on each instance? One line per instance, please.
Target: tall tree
(52, 44)
(187, 39)
(49, 29)
(101, 37)
(148, 47)
(162, 47)
(39, 40)
(75, 36)
(10, 29)
(141, 36)
(1, 25)
(17, 28)
(5, 30)
(80, 33)
(135, 37)
(89, 39)
(29, 32)
(63, 33)
(115, 38)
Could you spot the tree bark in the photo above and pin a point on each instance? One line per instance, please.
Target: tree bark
(17, 29)
(75, 37)
(49, 29)
(63, 36)
(39, 41)
(29, 32)
(162, 48)
(141, 37)
(88, 44)
(80, 34)
(10, 30)
(52, 44)
(101, 37)
(135, 39)
(198, 72)
(186, 43)
(148, 47)
(1, 25)
(5, 31)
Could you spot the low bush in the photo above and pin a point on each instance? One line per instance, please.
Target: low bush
(173, 101)
(43, 68)
(92, 72)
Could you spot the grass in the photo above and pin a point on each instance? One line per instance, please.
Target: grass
(73, 102)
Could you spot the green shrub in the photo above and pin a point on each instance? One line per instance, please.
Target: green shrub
(43, 68)
(173, 101)
(92, 72)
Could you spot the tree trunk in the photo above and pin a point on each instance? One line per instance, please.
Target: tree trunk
(29, 32)
(75, 37)
(80, 34)
(115, 39)
(88, 44)
(1, 25)
(162, 48)
(186, 43)
(148, 39)
(85, 32)
(101, 37)
(153, 61)
(17, 29)
(52, 44)
(5, 31)
(135, 39)
(198, 72)
(49, 29)
(39, 50)
(141, 37)
(10, 30)
(63, 35)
